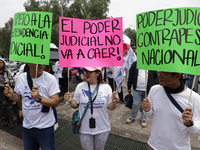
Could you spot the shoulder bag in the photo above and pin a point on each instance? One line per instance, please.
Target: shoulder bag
(76, 120)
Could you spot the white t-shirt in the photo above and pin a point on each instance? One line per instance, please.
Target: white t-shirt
(33, 117)
(141, 80)
(168, 131)
(100, 106)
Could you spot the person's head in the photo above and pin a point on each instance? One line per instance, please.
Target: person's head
(33, 69)
(48, 68)
(93, 75)
(134, 48)
(2, 64)
(170, 79)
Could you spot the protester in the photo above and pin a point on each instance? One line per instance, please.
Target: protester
(93, 138)
(4, 101)
(63, 82)
(126, 67)
(189, 82)
(104, 74)
(134, 49)
(112, 83)
(49, 69)
(172, 126)
(38, 123)
(137, 79)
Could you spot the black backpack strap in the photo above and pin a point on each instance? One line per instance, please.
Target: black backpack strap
(30, 82)
(174, 101)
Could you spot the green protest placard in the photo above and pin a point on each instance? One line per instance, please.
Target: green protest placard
(31, 37)
(169, 40)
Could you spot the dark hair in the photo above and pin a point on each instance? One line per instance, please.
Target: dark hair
(173, 74)
(99, 78)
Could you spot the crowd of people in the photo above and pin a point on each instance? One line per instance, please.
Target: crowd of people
(34, 96)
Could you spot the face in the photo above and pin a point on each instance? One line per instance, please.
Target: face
(91, 76)
(166, 79)
(134, 49)
(47, 68)
(1, 64)
(33, 69)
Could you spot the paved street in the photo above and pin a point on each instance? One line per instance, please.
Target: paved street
(132, 131)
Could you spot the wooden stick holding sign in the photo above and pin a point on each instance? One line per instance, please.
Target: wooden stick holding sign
(145, 83)
(8, 72)
(36, 70)
(113, 78)
(192, 89)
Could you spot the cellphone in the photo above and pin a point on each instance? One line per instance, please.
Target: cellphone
(92, 123)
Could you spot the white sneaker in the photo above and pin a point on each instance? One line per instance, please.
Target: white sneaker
(143, 123)
(129, 120)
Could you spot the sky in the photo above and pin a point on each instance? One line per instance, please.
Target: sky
(118, 8)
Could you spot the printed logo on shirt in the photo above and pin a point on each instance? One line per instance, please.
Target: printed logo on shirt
(98, 101)
(25, 87)
(31, 99)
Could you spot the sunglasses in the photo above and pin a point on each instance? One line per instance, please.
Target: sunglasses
(163, 74)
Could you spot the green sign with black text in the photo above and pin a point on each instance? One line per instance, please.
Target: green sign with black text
(31, 37)
(169, 40)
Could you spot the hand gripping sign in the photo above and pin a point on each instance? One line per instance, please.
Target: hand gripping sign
(90, 43)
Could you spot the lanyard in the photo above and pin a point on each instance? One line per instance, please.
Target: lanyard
(91, 101)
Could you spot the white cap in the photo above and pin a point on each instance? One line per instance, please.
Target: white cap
(92, 68)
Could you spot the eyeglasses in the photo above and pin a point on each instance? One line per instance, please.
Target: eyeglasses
(163, 74)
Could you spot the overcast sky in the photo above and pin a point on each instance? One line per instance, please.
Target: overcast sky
(118, 8)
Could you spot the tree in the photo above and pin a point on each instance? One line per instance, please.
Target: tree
(83, 9)
(131, 33)
(5, 38)
(92, 9)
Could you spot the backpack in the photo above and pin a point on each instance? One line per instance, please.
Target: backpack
(65, 72)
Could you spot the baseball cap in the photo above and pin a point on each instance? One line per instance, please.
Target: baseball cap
(92, 68)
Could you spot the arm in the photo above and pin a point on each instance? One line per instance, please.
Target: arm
(50, 102)
(130, 78)
(115, 98)
(68, 98)
(8, 92)
(146, 106)
(188, 116)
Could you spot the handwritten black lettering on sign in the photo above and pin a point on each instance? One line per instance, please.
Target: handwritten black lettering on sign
(88, 40)
(169, 40)
(30, 38)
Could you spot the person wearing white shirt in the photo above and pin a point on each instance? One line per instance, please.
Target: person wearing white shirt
(171, 126)
(38, 124)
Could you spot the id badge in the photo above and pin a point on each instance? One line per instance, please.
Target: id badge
(92, 123)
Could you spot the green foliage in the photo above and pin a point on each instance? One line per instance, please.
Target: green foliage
(83, 9)
(5, 38)
(92, 9)
(131, 33)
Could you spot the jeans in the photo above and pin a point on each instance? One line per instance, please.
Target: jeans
(189, 83)
(138, 96)
(39, 138)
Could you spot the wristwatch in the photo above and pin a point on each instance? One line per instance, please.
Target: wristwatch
(191, 124)
(40, 98)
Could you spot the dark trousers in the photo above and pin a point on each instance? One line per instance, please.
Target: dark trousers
(39, 138)
(63, 82)
(110, 81)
